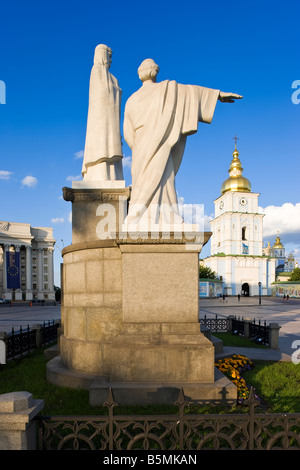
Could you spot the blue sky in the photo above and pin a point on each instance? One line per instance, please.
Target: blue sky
(250, 48)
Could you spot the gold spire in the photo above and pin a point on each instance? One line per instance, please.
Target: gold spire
(236, 181)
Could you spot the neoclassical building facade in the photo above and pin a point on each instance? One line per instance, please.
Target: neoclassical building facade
(237, 255)
(26, 262)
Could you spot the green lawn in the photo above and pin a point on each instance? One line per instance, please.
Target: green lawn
(29, 374)
(235, 340)
(278, 384)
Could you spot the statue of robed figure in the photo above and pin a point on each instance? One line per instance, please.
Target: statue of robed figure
(103, 145)
(158, 118)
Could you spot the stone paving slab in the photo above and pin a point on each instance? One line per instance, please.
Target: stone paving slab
(255, 353)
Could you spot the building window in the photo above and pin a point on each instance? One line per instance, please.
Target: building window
(244, 233)
(218, 237)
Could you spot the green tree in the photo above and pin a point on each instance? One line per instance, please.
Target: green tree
(295, 275)
(57, 291)
(206, 273)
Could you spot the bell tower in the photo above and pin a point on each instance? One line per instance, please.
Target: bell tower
(237, 237)
(237, 226)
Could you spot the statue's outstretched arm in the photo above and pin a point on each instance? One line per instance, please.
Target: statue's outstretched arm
(228, 97)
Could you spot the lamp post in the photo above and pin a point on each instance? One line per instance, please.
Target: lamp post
(259, 293)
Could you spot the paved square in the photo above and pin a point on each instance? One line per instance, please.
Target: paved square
(271, 310)
(24, 315)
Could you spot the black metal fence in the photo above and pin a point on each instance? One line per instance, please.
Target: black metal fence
(181, 431)
(216, 324)
(258, 332)
(23, 341)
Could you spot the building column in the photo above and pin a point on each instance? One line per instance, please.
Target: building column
(18, 292)
(50, 270)
(40, 273)
(28, 273)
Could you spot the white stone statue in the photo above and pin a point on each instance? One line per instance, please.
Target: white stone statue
(103, 146)
(158, 118)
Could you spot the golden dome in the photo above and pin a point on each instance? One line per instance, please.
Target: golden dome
(278, 244)
(236, 181)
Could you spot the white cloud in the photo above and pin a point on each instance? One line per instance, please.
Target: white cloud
(79, 154)
(29, 181)
(194, 214)
(207, 219)
(5, 175)
(74, 178)
(284, 219)
(70, 217)
(58, 220)
(126, 162)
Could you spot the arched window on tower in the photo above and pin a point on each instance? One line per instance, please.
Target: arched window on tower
(218, 237)
(244, 233)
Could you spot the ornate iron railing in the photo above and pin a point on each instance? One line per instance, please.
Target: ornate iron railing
(237, 326)
(182, 431)
(49, 332)
(26, 340)
(257, 332)
(215, 324)
(20, 342)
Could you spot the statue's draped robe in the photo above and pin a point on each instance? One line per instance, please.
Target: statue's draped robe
(103, 138)
(158, 118)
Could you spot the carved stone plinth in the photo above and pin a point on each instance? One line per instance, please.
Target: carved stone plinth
(131, 312)
(90, 206)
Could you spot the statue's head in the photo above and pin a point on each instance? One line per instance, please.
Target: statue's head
(103, 55)
(148, 70)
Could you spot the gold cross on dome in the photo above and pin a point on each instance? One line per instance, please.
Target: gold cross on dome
(235, 139)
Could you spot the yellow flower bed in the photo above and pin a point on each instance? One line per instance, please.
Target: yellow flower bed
(233, 367)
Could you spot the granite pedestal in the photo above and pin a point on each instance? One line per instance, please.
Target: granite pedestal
(130, 311)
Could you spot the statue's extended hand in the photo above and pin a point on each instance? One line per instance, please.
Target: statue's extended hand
(228, 97)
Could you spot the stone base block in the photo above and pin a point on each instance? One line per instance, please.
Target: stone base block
(154, 352)
(18, 296)
(167, 357)
(17, 425)
(221, 391)
(29, 296)
(62, 376)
